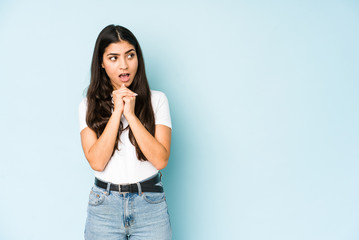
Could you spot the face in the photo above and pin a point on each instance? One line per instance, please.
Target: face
(120, 63)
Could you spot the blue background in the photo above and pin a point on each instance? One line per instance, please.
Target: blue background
(264, 106)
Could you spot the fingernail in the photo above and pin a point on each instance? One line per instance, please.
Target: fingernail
(135, 94)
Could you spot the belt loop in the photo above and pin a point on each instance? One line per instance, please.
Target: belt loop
(160, 176)
(108, 188)
(139, 188)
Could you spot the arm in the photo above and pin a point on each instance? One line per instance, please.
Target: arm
(156, 149)
(98, 150)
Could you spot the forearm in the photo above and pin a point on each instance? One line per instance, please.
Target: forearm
(154, 151)
(100, 153)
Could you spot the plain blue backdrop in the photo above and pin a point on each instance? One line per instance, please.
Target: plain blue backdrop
(264, 106)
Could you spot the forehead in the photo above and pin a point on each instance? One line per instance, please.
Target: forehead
(119, 47)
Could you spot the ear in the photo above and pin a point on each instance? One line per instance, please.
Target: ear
(102, 65)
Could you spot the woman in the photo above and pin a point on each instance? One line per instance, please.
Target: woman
(126, 137)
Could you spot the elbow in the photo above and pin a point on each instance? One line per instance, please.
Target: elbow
(161, 166)
(96, 166)
(162, 163)
(96, 162)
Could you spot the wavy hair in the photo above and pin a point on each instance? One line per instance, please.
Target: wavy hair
(99, 104)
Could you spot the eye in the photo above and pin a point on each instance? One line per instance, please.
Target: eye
(131, 55)
(113, 58)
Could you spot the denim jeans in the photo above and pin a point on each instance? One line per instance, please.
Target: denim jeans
(113, 216)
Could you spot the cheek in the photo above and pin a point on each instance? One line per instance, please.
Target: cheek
(135, 66)
(109, 69)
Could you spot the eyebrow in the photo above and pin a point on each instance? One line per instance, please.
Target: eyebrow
(116, 54)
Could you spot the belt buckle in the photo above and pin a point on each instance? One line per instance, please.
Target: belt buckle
(119, 190)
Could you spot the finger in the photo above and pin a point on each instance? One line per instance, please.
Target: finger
(123, 96)
(127, 91)
(129, 94)
(129, 97)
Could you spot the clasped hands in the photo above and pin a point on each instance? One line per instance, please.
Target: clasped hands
(124, 101)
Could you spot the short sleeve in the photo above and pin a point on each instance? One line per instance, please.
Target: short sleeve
(82, 114)
(162, 113)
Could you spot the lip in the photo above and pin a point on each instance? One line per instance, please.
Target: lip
(122, 80)
(124, 73)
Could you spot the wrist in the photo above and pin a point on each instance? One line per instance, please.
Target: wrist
(117, 112)
(130, 117)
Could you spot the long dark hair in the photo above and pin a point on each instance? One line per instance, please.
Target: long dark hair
(99, 103)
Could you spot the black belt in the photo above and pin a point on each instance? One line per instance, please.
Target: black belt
(146, 186)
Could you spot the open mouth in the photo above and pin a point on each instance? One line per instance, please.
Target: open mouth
(124, 77)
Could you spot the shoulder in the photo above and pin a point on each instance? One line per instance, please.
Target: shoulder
(158, 98)
(155, 94)
(161, 108)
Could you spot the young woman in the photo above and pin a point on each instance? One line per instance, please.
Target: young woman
(126, 137)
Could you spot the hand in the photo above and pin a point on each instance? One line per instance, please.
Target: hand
(130, 102)
(118, 97)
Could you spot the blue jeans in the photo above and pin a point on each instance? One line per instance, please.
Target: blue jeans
(113, 216)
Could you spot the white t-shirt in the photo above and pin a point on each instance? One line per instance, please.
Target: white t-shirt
(124, 167)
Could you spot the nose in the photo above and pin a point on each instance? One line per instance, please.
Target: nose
(123, 64)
